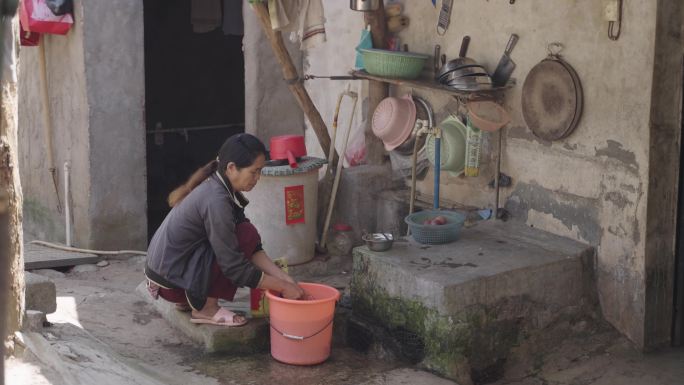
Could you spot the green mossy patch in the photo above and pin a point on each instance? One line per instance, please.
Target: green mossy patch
(475, 340)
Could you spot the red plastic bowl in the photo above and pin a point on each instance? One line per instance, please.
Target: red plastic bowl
(288, 147)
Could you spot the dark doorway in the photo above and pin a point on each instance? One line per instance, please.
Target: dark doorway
(194, 97)
(678, 313)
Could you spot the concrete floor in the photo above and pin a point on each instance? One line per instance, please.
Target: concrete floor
(105, 334)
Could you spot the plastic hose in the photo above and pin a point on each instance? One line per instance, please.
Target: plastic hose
(86, 251)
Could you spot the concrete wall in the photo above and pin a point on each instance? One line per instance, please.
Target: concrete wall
(66, 80)
(270, 108)
(96, 88)
(591, 186)
(12, 286)
(115, 80)
(336, 57)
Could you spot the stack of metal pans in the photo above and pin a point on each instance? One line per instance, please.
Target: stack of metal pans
(471, 77)
(463, 73)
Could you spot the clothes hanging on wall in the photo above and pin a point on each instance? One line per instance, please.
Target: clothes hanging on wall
(303, 18)
(205, 15)
(232, 18)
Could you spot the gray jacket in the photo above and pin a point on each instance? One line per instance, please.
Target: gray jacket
(200, 228)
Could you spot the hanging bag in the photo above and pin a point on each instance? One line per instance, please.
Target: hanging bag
(36, 16)
(60, 7)
(28, 38)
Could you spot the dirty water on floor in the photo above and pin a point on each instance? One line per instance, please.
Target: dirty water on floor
(345, 366)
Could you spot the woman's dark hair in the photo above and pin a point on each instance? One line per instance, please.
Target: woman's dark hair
(241, 149)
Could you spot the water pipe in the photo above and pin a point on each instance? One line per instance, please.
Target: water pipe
(422, 131)
(67, 206)
(86, 251)
(437, 132)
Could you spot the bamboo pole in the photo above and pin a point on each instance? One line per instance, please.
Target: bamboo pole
(47, 120)
(377, 91)
(293, 80)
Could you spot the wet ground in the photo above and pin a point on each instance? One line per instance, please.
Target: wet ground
(103, 329)
(345, 366)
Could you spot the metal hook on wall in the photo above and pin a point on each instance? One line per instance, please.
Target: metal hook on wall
(615, 26)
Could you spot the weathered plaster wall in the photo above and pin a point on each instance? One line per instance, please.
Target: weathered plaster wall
(66, 78)
(12, 298)
(270, 108)
(336, 57)
(591, 186)
(96, 88)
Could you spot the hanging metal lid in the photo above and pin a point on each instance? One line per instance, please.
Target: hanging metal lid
(552, 97)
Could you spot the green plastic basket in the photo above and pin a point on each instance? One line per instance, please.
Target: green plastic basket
(393, 64)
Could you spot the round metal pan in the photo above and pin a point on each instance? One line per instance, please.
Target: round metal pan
(552, 99)
(580, 98)
(475, 70)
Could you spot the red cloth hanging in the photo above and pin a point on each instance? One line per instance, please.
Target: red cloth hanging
(37, 17)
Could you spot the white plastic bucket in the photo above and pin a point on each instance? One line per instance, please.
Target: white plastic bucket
(267, 211)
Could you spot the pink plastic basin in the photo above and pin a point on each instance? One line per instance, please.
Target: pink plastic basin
(301, 330)
(393, 120)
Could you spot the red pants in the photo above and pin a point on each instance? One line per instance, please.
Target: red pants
(220, 286)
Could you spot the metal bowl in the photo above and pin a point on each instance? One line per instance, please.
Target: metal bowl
(379, 241)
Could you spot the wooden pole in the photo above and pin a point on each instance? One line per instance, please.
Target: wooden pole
(377, 91)
(293, 80)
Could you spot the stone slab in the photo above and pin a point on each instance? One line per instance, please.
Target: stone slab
(34, 320)
(41, 293)
(490, 261)
(250, 338)
(459, 308)
(41, 257)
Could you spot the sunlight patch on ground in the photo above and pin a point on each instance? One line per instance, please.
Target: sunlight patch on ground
(67, 312)
(23, 373)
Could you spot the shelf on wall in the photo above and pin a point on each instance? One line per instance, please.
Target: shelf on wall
(431, 85)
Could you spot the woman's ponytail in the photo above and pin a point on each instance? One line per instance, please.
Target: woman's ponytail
(195, 179)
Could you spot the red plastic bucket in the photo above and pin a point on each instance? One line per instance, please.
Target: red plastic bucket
(301, 330)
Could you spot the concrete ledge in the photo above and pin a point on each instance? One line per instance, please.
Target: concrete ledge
(460, 307)
(250, 338)
(41, 293)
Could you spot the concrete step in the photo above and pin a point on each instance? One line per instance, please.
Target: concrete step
(41, 293)
(253, 337)
(250, 338)
(460, 307)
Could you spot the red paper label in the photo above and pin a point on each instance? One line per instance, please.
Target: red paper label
(294, 204)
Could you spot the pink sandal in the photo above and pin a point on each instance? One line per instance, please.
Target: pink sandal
(223, 317)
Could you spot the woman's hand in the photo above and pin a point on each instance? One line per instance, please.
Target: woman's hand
(289, 290)
(292, 291)
(289, 279)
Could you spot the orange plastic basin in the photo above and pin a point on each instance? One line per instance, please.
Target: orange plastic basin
(301, 330)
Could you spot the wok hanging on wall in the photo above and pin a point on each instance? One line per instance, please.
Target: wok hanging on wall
(552, 97)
